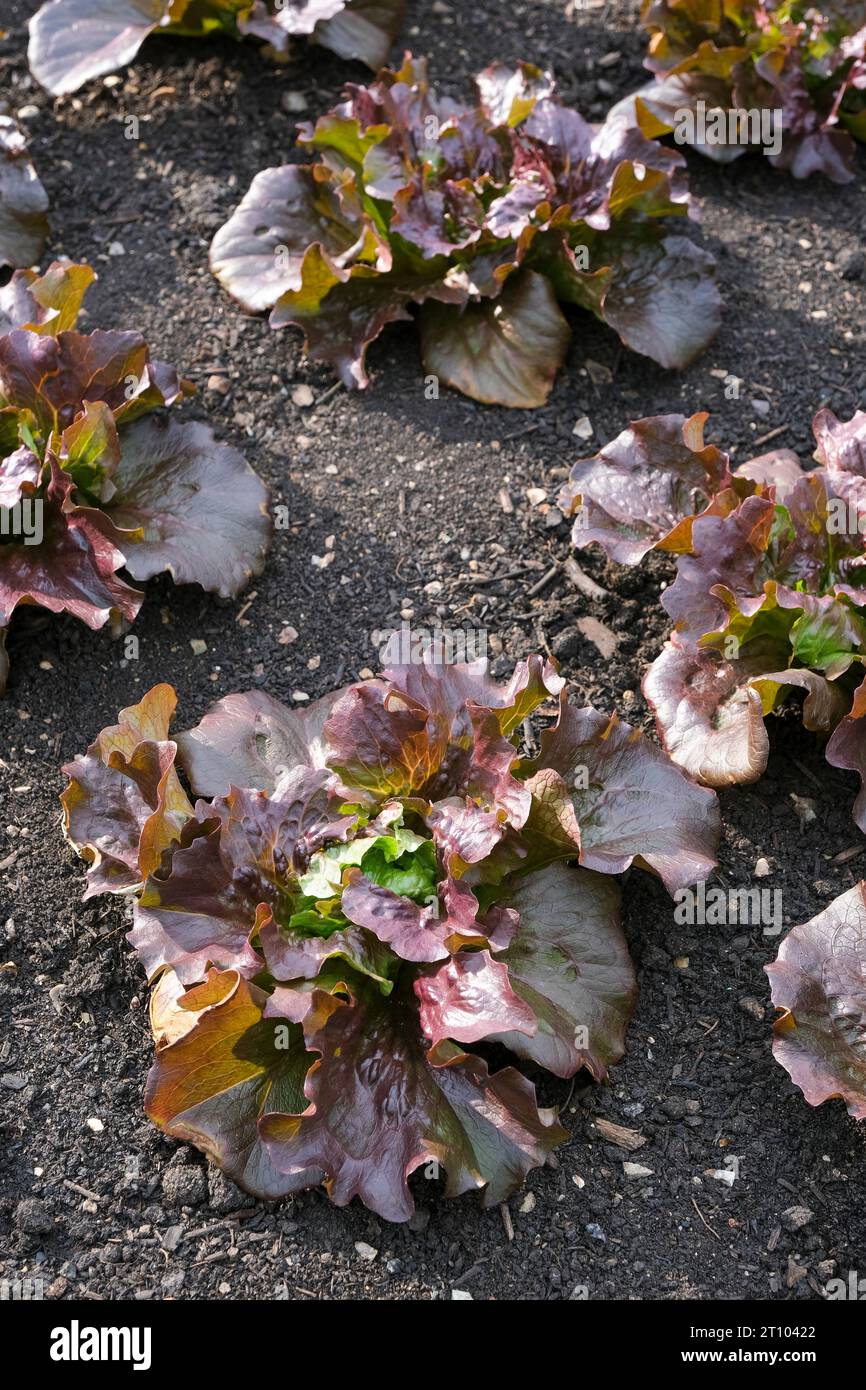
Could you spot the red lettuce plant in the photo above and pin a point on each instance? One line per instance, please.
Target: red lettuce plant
(818, 983)
(88, 486)
(485, 216)
(73, 41)
(23, 201)
(769, 595)
(806, 61)
(363, 890)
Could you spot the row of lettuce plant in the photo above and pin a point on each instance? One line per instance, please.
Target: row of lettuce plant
(74, 41)
(806, 62)
(487, 217)
(92, 482)
(364, 890)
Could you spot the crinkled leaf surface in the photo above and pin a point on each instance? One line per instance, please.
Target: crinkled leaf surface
(220, 1065)
(635, 494)
(74, 567)
(381, 1106)
(124, 803)
(207, 907)
(357, 897)
(806, 61)
(247, 740)
(663, 300)
(709, 716)
(628, 799)
(481, 215)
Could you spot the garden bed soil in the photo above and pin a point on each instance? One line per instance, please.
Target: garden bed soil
(407, 494)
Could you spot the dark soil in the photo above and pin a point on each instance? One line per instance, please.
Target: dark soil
(409, 490)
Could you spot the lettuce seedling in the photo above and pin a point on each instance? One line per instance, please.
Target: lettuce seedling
(365, 888)
(721, 68)
(23, 201)
(73, 41)
(818, 984)
(486, 216)
(770, 592)
(88, 486)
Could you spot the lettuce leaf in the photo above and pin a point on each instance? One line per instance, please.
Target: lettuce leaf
(74, 41)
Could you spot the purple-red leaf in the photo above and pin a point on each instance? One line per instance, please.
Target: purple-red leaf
(469, 997)
(818, 982)
(23, 201)
(248, 740)
(485, 216)
(642, 490)
(569, 963)
(628, 799)
(506, 350)
(381, 1106)
(200, 509)
(124, 803)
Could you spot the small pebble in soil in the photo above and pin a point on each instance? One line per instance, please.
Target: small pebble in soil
(752, 1006)
(795, 1218)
